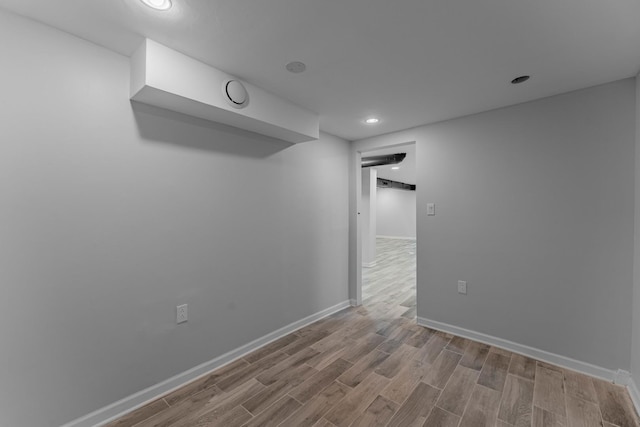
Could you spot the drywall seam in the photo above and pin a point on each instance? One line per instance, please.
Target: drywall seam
(534, 353)
(141, 398)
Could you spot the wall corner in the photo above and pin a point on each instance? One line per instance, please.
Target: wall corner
(635, 327)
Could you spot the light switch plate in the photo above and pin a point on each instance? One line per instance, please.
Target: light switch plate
(431, 209)
(181, 313)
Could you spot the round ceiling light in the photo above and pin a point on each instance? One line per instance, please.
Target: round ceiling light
(235, 93)
(372, 121)
(158, 4)
(296, 67)
(520, 79)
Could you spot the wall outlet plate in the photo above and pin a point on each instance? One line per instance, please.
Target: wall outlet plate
(462, 287)
(181, 313)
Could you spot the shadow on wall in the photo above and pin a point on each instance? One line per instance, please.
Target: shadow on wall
(168, 127)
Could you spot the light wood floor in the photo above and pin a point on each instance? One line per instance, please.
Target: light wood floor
(373, 366)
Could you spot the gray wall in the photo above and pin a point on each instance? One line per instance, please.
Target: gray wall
(535, 209)
(635, 356)
(396, 213)
(111, 215)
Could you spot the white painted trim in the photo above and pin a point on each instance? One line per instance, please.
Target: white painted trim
(355, 199)
(534, 353)
(354, 303)
(395, 237)
(622, 377)
(634, 393)
(141, 398)
(369, 264)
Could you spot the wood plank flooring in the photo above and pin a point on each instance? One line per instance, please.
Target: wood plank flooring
(374, 366)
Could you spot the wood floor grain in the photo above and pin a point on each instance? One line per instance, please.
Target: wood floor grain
(542, 418)
(615, 404)
(361, 370)
(441, 418)
(377, 414)
(458, 390)
(579, 386)
(417, 406)
(582, 414)
(523, 366)
(355, 403)
(475, 356)
(374, 366)
(314, 385)
(313, 410)
(482, 409)
(517, 401)
(549, 391)
(494, 371)
(403, 384)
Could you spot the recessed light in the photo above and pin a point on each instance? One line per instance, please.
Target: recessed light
(395, 168)
(372, 121)
(296, 67)
(520, 79)
(158, 4)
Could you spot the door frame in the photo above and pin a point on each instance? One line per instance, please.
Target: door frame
(355, 264)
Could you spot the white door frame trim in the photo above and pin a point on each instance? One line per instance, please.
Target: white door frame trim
(355, 291)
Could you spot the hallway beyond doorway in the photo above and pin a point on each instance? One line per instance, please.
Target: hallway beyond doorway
(392, 280)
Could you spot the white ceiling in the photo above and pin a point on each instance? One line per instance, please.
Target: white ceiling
(410, 62)
(407, 171)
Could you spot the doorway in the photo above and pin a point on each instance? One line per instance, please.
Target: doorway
(386, 237)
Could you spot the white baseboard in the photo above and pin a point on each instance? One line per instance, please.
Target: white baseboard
(534, 353)
(369, 264)
(634, 393)
(354, 303)
(141, 398)
(396, 237)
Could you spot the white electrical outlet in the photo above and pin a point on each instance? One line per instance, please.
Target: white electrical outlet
(462, 287)
(181, 313)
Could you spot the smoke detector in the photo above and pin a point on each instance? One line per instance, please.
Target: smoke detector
(235, 93)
